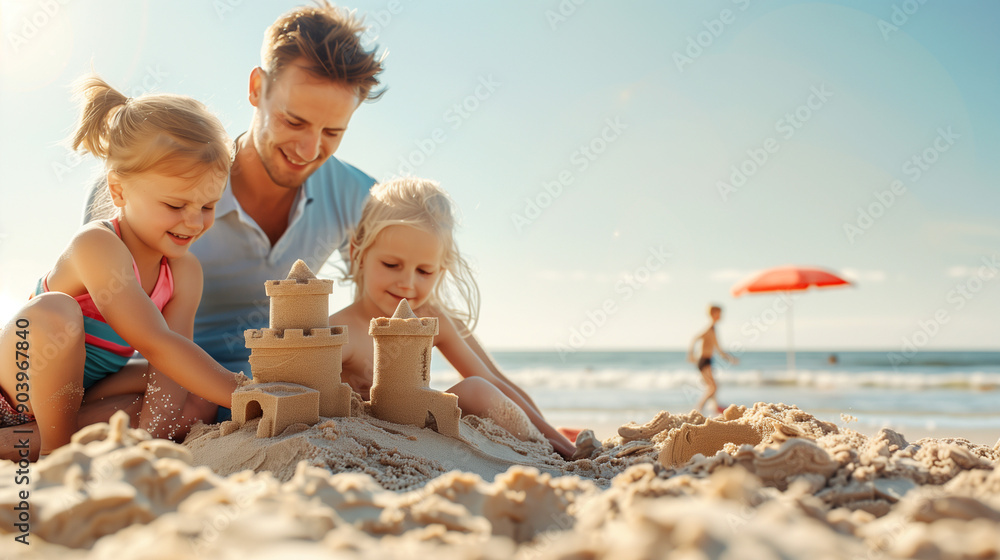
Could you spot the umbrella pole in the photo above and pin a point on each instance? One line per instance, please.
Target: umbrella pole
(791, 341)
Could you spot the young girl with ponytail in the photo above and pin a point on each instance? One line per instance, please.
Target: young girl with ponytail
(128, 283)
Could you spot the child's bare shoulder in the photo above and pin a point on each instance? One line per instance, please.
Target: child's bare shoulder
(94, 243)
(357, 330)
(357, 325)
(94, 232)
(342, 317)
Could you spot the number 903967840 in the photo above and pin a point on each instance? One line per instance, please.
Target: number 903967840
(21, 360)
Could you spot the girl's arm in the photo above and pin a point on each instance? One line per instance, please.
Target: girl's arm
(164, 414)
(473, 342)
(104, 266)
(454, 348)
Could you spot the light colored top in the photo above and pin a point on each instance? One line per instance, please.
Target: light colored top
(237, 257)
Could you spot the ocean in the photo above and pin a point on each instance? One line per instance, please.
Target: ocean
(946, 391)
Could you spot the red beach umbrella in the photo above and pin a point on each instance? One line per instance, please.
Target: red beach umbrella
(788, 279)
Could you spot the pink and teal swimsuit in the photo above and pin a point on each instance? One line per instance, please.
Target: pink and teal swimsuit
(107, 352)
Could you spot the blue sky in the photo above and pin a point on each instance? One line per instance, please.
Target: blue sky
(591, 148)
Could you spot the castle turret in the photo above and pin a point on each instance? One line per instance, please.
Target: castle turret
(403, 343)
(401, 390)
(300, 301)
(300, 347)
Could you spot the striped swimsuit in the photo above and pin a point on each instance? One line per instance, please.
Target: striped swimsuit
(107, 352)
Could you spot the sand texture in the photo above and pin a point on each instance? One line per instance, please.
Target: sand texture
(360, 487)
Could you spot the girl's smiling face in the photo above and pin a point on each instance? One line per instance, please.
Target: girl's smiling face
(168, 213)
(403, 262)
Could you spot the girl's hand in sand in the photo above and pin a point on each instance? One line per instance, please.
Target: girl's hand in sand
(561, 447)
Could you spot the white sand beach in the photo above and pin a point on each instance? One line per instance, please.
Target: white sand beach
(361, 487)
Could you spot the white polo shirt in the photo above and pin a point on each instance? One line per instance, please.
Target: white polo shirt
(237, 257)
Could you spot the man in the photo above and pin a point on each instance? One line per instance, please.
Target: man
(709, 346)
(288, 197)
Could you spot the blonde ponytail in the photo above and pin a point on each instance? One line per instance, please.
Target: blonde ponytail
(101, 103)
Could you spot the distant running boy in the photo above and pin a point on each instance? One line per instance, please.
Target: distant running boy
(709, 346)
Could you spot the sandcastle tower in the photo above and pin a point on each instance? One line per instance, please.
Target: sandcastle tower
(297, 361)
(401, 390)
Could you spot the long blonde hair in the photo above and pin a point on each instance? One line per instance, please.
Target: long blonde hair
(423, 204)
(167, 133)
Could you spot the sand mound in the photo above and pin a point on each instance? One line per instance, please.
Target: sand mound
(807, 489)
(396, 456)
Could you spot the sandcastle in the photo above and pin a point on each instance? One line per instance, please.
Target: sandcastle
(401, 390)
(296, 363)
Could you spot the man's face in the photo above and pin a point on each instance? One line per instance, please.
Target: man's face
(299, 121)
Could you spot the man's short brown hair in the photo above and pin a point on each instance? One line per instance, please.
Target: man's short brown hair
(328, 40)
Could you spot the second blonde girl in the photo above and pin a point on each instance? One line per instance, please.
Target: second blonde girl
(404, 248)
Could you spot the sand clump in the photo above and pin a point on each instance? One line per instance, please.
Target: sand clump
(360, 487)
